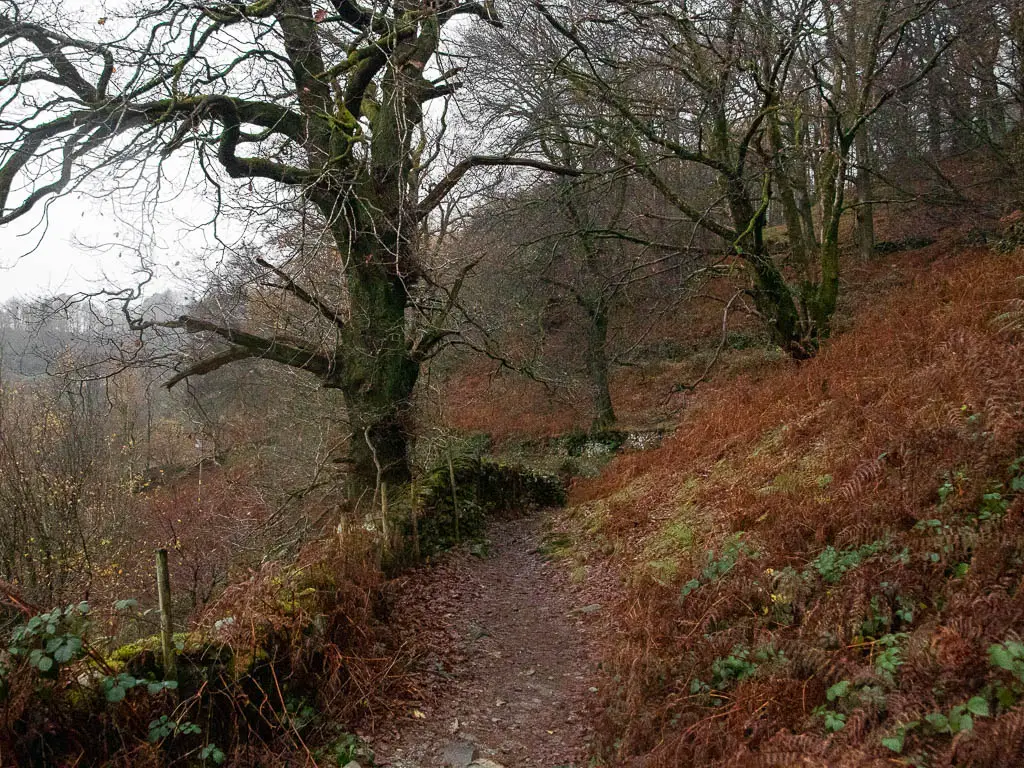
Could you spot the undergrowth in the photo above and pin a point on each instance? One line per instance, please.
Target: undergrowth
(825, 565)
(270, 674)
(274, 671)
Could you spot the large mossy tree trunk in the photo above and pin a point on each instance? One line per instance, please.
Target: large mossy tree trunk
(379, 369)
(379, 377)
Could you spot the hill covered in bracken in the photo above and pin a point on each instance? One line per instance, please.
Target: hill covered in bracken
(823, 565)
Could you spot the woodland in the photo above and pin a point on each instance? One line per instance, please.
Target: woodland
(562, 383)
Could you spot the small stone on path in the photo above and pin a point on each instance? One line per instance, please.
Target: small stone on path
(458, 754)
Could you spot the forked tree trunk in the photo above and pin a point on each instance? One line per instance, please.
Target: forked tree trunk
(772, 295)
(787, 196)
(826, 297)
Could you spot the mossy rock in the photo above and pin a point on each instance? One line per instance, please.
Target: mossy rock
(910, 243)
(482, 488)
(141, 658)
(588, 443)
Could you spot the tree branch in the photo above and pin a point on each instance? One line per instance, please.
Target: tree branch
(296, 290)
(454, 176)
(290, 352)
(210, 364)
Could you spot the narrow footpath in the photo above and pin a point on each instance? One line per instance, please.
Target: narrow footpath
(507, 665)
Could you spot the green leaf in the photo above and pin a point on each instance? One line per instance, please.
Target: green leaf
(69, 650)
(978, 706)
(961, 723)
(45, 663)
(116, 693)
(937, 721)
(834, 721)
(1000, 657)
(895, 743)
(1006, 697)
(212, 752)
(838, 691)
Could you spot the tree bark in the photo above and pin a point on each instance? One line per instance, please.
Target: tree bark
(597, 369)
(772, 296)
(934, 113)
(864, 233)
(379, 374)
(791, 212)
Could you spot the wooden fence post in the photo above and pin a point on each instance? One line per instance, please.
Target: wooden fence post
(163, 586)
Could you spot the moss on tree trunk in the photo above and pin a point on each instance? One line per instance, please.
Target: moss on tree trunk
(379, 374)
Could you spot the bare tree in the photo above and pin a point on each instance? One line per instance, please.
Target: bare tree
(730, 89)
(315, 105)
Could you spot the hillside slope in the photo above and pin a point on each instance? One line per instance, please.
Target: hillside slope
(824, 565)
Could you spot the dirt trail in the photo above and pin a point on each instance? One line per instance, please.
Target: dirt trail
(508, 674)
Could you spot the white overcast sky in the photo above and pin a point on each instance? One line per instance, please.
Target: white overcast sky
(89, 239)
(86, 242)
